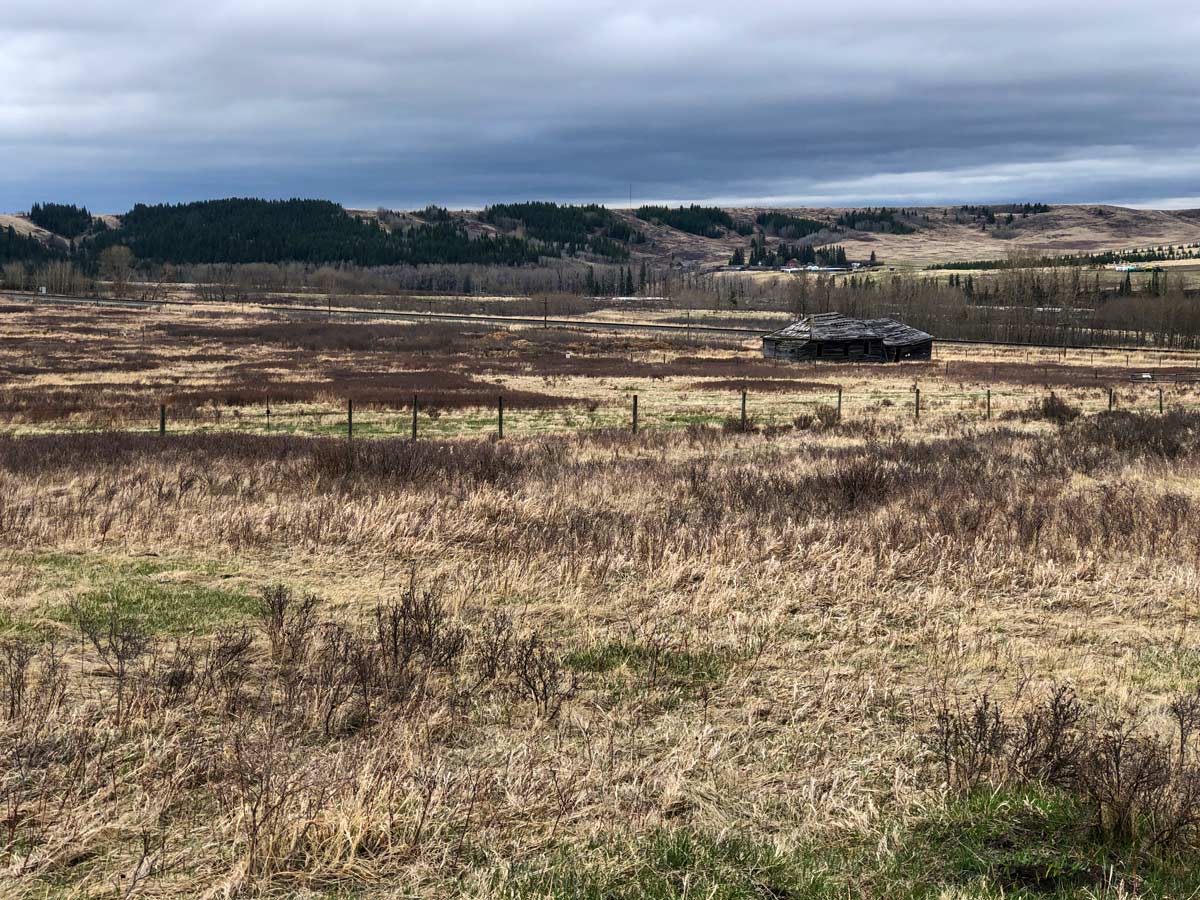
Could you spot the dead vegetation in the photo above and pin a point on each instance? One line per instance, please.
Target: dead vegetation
(539, 644)
(799, 655)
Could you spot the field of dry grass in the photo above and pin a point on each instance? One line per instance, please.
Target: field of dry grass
(221, 368)
(699, 661)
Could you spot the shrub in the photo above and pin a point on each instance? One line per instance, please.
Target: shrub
(738, 425)
(1052, 408)
(541, 676)
(1058, 410)
(1142, 790)
(822, 416)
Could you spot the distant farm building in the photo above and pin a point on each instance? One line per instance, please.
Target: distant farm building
(833, 336)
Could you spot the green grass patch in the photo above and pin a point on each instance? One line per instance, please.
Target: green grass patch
(678, 665)
(13, 625)
(1169, 668)
(66, 569)
(165, 608)
(1029, 844)
(674, 864)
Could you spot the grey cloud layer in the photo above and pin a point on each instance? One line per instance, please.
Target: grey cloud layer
(405, 103)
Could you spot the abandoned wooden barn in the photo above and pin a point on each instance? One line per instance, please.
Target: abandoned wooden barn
(833, 336)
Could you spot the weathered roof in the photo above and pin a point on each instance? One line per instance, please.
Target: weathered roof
(834, 326)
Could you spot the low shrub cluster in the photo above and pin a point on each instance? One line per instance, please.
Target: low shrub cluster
(312, 737)
(295, 460)
(1051, 408)
(1140, 788)
(822, 416)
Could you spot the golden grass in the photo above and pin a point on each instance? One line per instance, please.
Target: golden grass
(756, 622)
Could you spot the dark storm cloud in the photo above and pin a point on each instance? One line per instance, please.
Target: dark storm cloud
(374, 102)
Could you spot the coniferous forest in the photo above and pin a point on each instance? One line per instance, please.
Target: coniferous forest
(884, 219)
(244, 230)
(65, 219)
(16, 247)
(790, 227)
(568, 229)
(705, 221)
(309, 231)
(782, 254)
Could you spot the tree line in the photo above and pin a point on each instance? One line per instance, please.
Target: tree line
(1021, 260)
(782, 254)
(568, 229)
(790, 227)
(705, 221)
(248, 230)
(65, 219)
(881, 219)
(16, 247)
(312, 231)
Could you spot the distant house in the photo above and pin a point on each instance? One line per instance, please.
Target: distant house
(833, 336)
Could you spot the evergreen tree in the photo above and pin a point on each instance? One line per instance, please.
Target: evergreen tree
(308, 231)
(706, 221)
(64, 219)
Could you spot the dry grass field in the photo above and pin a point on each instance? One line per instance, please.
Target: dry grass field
(1063, 229)
(880, 656)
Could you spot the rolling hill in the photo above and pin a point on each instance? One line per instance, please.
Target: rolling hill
(513, 234)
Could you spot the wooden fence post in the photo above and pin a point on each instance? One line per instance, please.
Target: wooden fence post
(349, 418)
(268, 415)
(1160, 401)
(743, 409)
(414, 428)
(635, 413)
(162, 418)
(500, 417)
(839, 406)
(1111, 399)
(916, 404)
(989, 404)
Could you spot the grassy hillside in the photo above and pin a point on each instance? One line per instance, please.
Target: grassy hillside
(520, 233)
(910, 235)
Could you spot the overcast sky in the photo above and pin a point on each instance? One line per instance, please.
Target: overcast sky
(405, 102)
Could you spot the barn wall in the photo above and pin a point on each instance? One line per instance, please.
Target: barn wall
(790, 350)
(924, 350)
(834, 351)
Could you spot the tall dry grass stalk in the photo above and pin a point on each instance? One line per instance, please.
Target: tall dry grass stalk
(534, 644)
